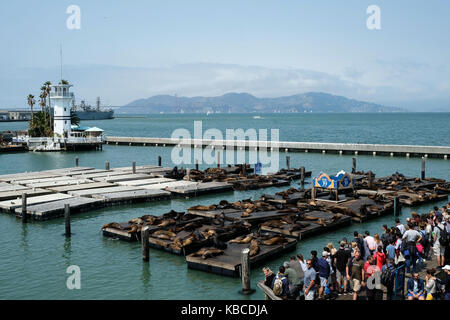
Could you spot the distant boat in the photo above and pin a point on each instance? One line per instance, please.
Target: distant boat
(208, 113)
(87, 112)
(256, 117)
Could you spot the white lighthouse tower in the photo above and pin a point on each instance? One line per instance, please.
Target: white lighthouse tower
(61, 99)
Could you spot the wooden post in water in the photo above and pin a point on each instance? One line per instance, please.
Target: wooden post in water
(313, 193)
(218, 159)
(354, 165)
(76, 162)
(244, 169)
(159, 161)
(370, 179)
(395, 206)
(288, 162)
(245, 271)
(67, 219)
(24, 208)
(134, 167)
(422, 176)
(196, 164)
(145, 247)
(302, 175)
(107, 165)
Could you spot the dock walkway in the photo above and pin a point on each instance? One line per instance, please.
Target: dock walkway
(441, 152)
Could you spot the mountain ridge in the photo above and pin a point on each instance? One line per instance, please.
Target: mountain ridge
(243, 102)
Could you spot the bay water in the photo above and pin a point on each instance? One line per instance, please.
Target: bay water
(34, 257)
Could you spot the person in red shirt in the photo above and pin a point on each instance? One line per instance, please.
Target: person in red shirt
(379, 257)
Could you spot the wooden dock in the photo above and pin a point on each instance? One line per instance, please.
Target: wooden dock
(441, 152)
(308, 228)
(228, 263)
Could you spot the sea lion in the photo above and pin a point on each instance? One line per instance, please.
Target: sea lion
(254, 248)
(207, 252)
(163, 232)
(242, 239)
(219, 244)
(166, 223)
(136, 221)
(192, 226)
(113, 225)
(203, 208)
(274, 241)
(321, 222)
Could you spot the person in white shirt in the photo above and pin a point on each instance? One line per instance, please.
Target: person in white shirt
(400, 226)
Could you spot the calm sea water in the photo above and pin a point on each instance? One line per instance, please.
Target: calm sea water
(34, 257)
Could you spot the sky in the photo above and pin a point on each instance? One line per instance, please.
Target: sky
(127, 50)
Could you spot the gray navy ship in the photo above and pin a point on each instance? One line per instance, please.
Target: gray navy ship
(87, 112)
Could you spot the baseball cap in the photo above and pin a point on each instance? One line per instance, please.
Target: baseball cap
(447, 267)
(324, 254)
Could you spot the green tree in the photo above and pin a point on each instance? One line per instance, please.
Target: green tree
(39, 126)
(74, 119)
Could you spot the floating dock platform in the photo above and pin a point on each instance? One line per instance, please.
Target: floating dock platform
(228, 263)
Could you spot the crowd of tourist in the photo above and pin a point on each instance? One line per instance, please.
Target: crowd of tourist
(366, 264)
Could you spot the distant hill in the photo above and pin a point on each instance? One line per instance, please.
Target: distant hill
(246, 103)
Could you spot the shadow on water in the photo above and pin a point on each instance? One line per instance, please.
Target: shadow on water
(67, 253)
(24, 240)
(146, 276)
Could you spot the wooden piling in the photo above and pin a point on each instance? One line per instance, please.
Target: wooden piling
(24, 208)
(370, 180)
(244, 169)
(159, 161)
(313, 193)
(67, 219)
(134, 167)
(107, 165)
(302, 175)
(423, 169)
(288, 162)
(145, 245)
(245, 271)
(196, 164)
(76, 162)
(218, 159)
(354, 165)
(395, 206)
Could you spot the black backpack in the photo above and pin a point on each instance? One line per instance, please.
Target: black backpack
(443, 238)
(388, 276)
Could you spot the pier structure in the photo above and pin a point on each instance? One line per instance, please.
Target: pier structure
(439, 152)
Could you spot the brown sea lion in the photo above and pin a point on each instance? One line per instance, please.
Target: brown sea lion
(207, 252)
(136, 221)
(113, 225)
(274, 241)
(321, 222)
(203, 208)
(167, 222)
(254, 248)
(163, 232)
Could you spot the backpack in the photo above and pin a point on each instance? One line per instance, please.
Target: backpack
(278, 286)
(388, 276)
(443, 238)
